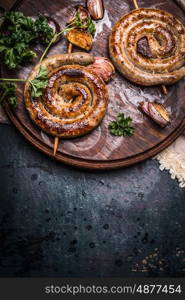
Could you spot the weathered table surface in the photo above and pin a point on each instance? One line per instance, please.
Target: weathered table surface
(7, 4)
(59, 221)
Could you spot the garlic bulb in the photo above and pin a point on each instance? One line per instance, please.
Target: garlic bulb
(96, 9)
(103, 68)
(157, 112)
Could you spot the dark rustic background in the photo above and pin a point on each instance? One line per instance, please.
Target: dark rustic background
(59, 221)
(63, 222)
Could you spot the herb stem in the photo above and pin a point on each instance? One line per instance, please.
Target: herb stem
(47, 48)
(67, 28)
(13, 79)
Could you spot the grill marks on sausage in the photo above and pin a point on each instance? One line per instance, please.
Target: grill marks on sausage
(74, 102)
(165, 44)
(147, 46)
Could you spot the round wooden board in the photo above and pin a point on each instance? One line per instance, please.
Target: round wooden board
(99, 150)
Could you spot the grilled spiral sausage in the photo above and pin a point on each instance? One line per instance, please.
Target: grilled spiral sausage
(75, 100)
(161, 62)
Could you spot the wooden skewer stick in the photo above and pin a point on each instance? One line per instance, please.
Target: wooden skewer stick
(135, 4)
(55, 145)
(70, 48)
(164, 89)
(56, 140)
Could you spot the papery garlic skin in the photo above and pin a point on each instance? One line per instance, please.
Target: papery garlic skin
(96, 9)
(157, 112)
(103, 68)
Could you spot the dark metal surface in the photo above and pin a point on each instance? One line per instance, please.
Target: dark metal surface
(63, 222)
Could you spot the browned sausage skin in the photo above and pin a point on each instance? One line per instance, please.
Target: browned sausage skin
(164, 60)
(75, 100)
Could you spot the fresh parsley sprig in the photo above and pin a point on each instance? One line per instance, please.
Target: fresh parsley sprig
(8, 89)
(53, 40)
(17, 38)
(122, 126)
(40, 82)
(76, 23)
(91, 26)
(8, 93)
(86, 24)
(14, 49)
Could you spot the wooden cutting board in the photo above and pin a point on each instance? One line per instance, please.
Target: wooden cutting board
(100, 150)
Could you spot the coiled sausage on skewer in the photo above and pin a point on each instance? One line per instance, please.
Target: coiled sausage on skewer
(162, 62)
(75, 100)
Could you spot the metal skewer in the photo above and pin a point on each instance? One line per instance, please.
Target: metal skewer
(56, 140)
(163, 87)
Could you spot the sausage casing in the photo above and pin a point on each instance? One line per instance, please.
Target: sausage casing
(165, 35)
(75, 99)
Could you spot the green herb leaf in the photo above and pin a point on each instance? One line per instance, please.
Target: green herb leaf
(8, 89)
(91, 26)
(43, 30)
(86, 24)
(39, 83)
(53, 40)
(122, 126)
(15, 44)
(8, 93)
(78, 22)
(18, 18)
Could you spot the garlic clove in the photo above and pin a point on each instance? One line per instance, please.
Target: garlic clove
(80, 38)
(157, 112)
(144, 107)
(103, 68)
(96, 9)
(162, 110)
